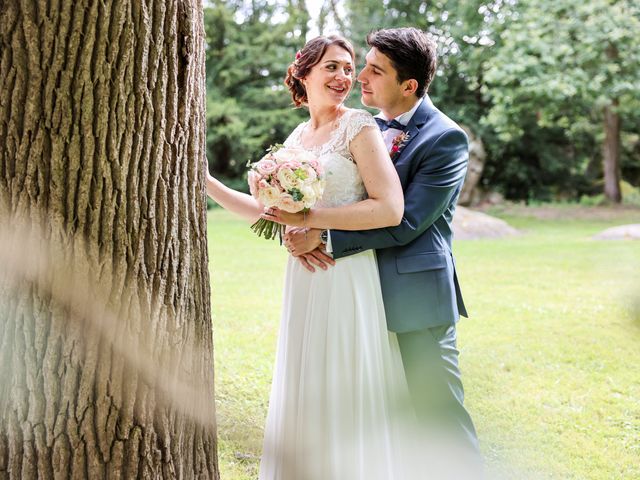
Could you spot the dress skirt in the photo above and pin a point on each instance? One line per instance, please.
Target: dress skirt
(338, 387)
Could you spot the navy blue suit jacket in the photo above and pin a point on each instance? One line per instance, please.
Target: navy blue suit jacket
(417, 270)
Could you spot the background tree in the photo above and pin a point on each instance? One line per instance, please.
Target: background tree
(466, 33)
(547, 87)
(250, 46)
(561, 80)
(106, 362)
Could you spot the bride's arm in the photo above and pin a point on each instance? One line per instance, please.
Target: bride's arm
(237, 202)
(384, 205)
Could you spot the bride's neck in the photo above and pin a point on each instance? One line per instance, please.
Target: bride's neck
(321, 116)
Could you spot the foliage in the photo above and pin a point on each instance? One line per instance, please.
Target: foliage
(530, 78)
(630, 196)
(548, 82)
(466, 32)
(249, 49)
(593, 200)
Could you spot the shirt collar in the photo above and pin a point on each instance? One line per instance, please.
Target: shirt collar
(405, 117)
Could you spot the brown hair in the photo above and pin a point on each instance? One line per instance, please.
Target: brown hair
(411, 52)
(306, 59)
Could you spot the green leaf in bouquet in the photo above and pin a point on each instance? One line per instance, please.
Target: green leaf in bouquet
(275, 147)
(301, 173)
(296, 194)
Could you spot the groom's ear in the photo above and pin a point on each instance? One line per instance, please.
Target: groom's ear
(409, 87)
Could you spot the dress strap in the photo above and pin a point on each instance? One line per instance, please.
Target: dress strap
(357, 121)
(293, 140)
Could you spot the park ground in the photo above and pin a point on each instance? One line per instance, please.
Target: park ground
(550, 354)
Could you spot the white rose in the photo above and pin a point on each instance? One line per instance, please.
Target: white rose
(287, 155)
(269, 196)
(287, 178)
(305, 156)
(318, 188)
(308, 195)
(310, 173)
(288, 204)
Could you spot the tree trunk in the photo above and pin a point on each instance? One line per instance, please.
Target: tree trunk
(611, 145)
(611, 153)
(106, 354)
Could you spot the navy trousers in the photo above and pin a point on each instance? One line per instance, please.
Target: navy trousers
(430, 359)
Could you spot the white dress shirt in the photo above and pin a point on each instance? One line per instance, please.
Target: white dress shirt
(404, 119)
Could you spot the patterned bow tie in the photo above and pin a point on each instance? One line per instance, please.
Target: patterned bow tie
(384, 125)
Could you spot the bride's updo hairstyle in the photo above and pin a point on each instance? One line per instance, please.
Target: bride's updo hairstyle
(306, 59)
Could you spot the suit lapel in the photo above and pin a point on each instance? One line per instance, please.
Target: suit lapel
(418, 119)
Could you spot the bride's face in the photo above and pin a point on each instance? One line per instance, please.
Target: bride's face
(330, 80)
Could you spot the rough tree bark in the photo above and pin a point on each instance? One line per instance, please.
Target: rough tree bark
(611, 144)
(106, 354)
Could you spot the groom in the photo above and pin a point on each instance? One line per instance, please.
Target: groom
(420, 288)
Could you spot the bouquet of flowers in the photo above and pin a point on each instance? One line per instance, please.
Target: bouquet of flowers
(287, 178)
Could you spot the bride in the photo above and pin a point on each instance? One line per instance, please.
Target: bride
(338, 379)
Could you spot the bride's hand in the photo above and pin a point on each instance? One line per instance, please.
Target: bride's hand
(285, 218)
(300, 241)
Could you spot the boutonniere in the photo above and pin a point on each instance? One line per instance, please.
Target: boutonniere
(398, 143)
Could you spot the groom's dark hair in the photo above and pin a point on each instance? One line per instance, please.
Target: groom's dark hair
(412, 53)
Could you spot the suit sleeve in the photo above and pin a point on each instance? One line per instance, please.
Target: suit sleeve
(441, 170)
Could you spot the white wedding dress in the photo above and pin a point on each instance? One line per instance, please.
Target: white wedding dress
(338, 384)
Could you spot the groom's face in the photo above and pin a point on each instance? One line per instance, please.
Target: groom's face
(379, 82)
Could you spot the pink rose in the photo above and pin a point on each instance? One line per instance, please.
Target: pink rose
(316, 166)
(253, 178)
(266, 166)
(292, 164)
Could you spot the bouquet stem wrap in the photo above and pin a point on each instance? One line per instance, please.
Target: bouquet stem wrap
(268, 229)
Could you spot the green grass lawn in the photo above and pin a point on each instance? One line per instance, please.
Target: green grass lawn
(550, 356)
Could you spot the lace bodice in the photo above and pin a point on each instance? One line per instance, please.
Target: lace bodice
(343, 182)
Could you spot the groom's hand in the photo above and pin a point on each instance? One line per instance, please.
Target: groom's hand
(300, 241)
(317, 257)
